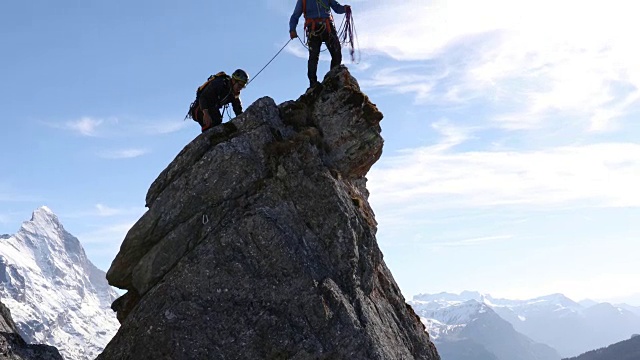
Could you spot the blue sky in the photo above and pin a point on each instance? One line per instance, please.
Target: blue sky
(511, 159)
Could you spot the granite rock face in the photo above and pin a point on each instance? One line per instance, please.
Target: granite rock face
(13, 346)
(259, 243)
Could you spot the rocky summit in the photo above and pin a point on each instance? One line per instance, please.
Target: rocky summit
(259, 243)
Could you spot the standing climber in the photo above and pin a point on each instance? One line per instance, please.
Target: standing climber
(319, 28)
(219, 90)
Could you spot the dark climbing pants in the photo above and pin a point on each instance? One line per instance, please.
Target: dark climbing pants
(315, 40)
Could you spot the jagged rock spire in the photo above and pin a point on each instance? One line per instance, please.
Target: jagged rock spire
(259, 243)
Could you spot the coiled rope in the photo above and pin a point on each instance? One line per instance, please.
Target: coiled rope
(347, 35)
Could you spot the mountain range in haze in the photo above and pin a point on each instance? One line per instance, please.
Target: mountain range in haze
(545, 328)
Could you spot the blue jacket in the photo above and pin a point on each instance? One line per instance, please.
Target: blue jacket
(315, 9)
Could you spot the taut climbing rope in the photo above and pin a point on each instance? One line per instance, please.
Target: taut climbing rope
(274, 56)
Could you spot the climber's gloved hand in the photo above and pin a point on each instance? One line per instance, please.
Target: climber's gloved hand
(347, 8)
(293, 34)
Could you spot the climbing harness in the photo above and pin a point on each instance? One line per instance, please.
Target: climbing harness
(316, 27)
(346, 32)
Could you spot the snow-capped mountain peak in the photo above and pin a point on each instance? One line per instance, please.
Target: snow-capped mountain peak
(45, 213)
(55, 294)
(44, 223)
(452, 313)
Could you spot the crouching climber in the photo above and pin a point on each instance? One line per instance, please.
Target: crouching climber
(218, 91)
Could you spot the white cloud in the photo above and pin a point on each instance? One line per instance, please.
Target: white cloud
(116, 128)
(123, 154)
(108, 234)
(476, 241)
(451, 135)
(438, 176)
(166, 127)
(406, 79)
(85, 126)
(544, 57)
(104, 210)
(429, 27)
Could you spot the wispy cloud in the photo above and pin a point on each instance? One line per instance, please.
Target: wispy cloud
(420, 80)
(108, 234)
(164, 127)
(535, 59)
(123, 154)
(85, 126)
(476, 241)
(102, 210)
(116, 127)
(438, 176)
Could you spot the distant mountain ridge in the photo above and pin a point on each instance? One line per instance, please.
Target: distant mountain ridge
(567, 326)
(472, 330)
(55, 294)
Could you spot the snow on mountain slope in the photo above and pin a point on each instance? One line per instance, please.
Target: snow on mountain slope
(438, 330)
(55, 294)
(447, 319)
(457, 313)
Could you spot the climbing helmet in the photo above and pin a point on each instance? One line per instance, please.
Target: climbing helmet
(240, 76)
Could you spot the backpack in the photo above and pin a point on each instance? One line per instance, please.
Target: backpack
(194, 109)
